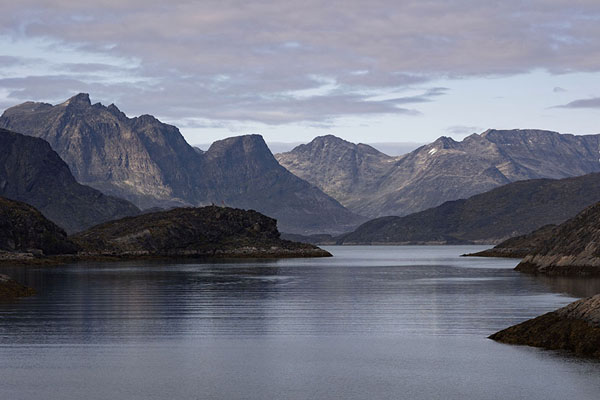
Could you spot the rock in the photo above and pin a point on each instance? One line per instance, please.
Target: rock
(575, 328)
(192, 232)
(9, 289)
(519, 246)
(572, 249)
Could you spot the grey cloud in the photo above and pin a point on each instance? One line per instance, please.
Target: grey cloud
(583, 103)
(238, 59)
(461, 130)
(558, 89)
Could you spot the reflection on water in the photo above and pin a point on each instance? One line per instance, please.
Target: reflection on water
(372, 322)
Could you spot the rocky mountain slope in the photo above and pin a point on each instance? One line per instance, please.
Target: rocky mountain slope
(514, 209)
(573, 248)
(441, 171)
(344, 170)
(575, 328)
(151, 164)
(193, 232)
(25, 229)
(30, 171)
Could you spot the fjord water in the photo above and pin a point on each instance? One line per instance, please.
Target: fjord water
(370, 323)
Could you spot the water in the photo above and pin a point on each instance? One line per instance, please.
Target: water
(370, 323)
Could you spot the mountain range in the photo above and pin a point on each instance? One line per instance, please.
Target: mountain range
(150, 164)
(373, 184)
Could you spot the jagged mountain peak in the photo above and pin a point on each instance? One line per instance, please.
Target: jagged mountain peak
(80, 99)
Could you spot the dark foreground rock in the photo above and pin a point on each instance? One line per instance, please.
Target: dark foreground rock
(575, 328)
(9, 289)
(192, 232)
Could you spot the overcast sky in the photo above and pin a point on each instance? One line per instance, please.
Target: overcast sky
(368, 71)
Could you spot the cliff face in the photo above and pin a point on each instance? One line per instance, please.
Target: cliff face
(573, 249)
(201, 232)
(575, 328)
(134, 158)
(151, 164)
(30, 171)
(255, 180)
(24, 229)
(514, 209)
(443, 170)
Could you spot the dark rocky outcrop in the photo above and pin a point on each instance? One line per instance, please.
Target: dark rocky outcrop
(150, 163)
(574, 328)
(23, 229)
(572, 249)
(445, 170)
(519, 246)
(30, 171)
(192, 232)
(10, 290)
(514, 209)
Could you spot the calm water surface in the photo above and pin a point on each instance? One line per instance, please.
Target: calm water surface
(371, 323)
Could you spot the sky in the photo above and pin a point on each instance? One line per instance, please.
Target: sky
(367, 71)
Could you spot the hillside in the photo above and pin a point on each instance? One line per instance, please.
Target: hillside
(514, 209)
(573, 248)
(31, 172)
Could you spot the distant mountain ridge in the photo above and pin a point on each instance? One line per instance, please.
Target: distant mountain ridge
(440, 171)
(510, 210)
(31, 172)
(150, 163)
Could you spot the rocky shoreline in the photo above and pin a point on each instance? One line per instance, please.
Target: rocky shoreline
(574, 328)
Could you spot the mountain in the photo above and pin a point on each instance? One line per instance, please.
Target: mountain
(25, 229)
(31, 172)
(573, 248)
(139, 159)
(344, 170)
(193, 232)
(513, 209)
(151, 164)
(255, 180)
(441, 171)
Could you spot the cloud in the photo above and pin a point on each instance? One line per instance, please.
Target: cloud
(583, 103)
(558, 89)
(240, 60)
(461, 130)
